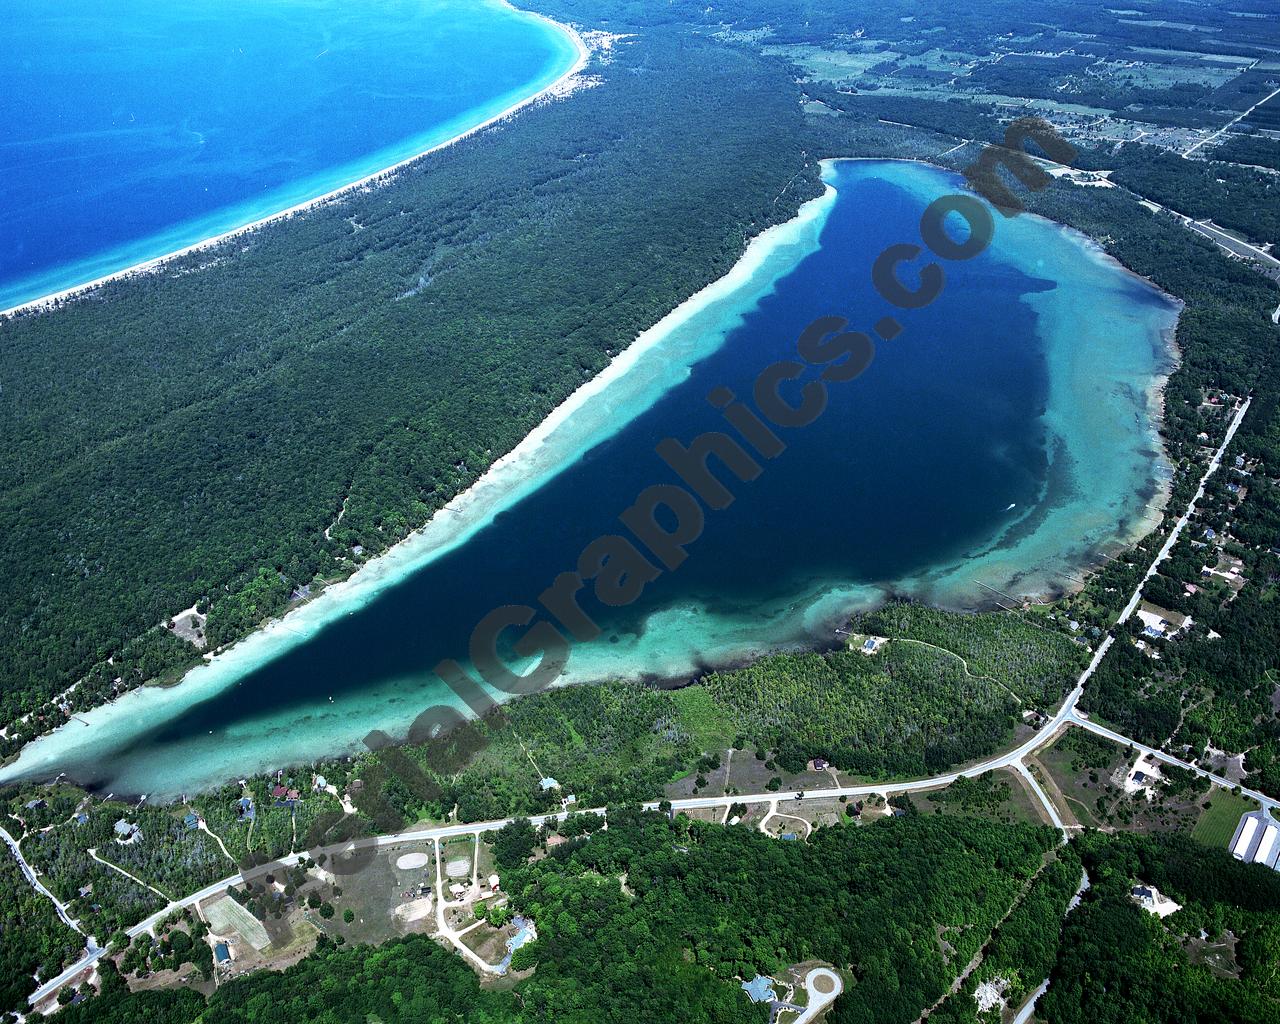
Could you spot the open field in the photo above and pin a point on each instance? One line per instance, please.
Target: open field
(225, 915)
(1218, 821)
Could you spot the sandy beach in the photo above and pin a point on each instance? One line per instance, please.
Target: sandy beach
(374, 178)
(634, 378)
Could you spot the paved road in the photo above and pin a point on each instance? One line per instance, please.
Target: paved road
(1101, 730)
(36, 884)
(1172, 539)
(1064, 717)
(1234, 120)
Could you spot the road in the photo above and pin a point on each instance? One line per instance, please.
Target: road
(1229, 124)
(1172, 539)
(1066, 716)
(34, 879)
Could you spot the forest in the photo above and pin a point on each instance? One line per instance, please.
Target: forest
(701, 906)
(33, 941)
(341, 370)
(374, 371)
(1118, 963)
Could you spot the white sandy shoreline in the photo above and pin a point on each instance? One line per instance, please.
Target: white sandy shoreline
(520, 471)
(156, 263)
(582, 420)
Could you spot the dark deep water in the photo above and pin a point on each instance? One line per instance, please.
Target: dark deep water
(911, 466)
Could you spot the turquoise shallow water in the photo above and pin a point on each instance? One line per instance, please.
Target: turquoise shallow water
(132, 129)
(1006, 436)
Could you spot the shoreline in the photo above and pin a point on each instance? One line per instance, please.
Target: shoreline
(523, 469)
(156, 263)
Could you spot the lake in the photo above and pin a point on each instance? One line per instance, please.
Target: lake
(1007, 437)
(134, 128)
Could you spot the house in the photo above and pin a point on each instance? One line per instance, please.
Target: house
(222, 953)
(126, 831)
(1209, 533)
(244, 809)
(319, 783)
(36, 805)
(548, 784)
(1140, 778)
(279, 792)
(191, 821)
(81, 818)
(1239, 462)
(818, 764)
(569, 801)
(1150, 899)
(1160, 622)
(759, 989)
(871, 644)
(493, 883)
(86, 890)
(293, 795)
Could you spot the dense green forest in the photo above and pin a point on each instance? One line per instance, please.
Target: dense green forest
(1038, 664)
(907, 711)
(375, 370)
(1214, 960)
(657, 919)
(1024, 946)
(1242, 198)
(33, 941)
(1253, 150)
(701, 907)
(373, 357)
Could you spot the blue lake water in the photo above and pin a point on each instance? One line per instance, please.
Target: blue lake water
(132, 128)
(1005, 436)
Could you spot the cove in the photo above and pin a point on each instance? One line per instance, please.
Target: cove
(1007, 436)
(136, 128)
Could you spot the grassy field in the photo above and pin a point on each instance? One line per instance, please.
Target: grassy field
(226, 915)
(706, 722)
(1218, 822)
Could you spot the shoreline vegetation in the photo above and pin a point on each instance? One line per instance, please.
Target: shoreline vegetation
(502, 485)
(371, 180)
(583, 344)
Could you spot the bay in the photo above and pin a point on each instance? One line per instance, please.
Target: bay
(135, 128)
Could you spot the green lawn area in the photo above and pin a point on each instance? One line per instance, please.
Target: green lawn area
(1218, 823)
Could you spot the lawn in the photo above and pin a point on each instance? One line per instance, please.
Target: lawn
(1218, 822)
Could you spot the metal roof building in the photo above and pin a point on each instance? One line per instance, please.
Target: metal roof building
(1257, 840)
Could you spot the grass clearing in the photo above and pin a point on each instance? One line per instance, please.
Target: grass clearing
(709, 725)
(1217, 823)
